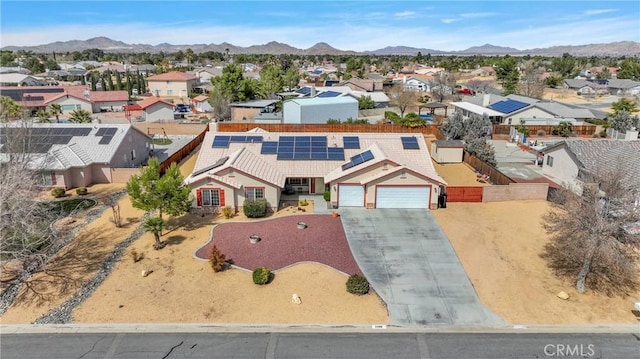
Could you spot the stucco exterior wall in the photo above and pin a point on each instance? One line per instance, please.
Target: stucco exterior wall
(174, 89)
(69, 104)
(528, 113)
(122, 175)
(308, 112)
(515, 192)
(101, 173)
(80, 177)
(446, 154)
(133, 150)
(237, 113)
(564, 170)
(157, 112)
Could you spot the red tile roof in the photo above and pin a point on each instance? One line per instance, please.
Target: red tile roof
(173, 76)
(149, 101)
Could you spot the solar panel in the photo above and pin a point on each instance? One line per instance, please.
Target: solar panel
(287, 139)
(410, 143)
(351, 142)
(105, 140)
(217, 164)
(285, 156)
(238, 139)
(252, 139)
(367, 156)
(356, 160)
(220, 142)
(304, 90)
(302, 139)
(301, 156)
(319, 155)
(347, 165)
(269, 148)
(508, 106)
(335, 156)
(329, 94)
(285, 148)
(319, 140)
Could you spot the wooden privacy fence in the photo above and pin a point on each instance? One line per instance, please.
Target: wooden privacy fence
(585, 130)
(495, 176)
(183, 152)
(464, 194)
(433, 130)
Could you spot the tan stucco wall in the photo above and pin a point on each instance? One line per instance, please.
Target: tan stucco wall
(229, 192)
(175, 89)
(68, 100)
(122, 175)
(446, 154)
(79, 178)
(235, 197)
(135, 141)
(564, 170)
(515, 192)
(158, 112)
(237, 113)
(319, 188)
(101, 173)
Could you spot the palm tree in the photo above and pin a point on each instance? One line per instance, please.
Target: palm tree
(55, 110)
(8, 108)
(155, 225)
(43, 116)
(80, 116)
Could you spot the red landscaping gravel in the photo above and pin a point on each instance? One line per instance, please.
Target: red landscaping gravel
(283, 244)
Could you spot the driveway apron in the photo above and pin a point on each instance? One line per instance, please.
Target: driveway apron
(411, 264)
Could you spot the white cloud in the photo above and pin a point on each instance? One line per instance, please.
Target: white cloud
(449, 21)
(598, 12)
(405, 14)
(477, 15)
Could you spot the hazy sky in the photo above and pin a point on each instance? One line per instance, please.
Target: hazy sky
(346, 25)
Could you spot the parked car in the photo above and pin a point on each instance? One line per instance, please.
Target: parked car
(181, 107)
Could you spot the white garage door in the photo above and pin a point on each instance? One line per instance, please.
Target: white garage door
(402, 196)
(350, 195)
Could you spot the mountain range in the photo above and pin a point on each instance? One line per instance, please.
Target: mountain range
(621, 48)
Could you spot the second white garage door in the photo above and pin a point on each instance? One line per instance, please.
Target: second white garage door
(350, 195)
(403, 196)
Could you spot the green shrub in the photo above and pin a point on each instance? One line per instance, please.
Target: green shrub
(82, 191)
(217, 260)
(228, 212)
(357, 284)
(58, 192)
(327, 196)
(542, 133)
(261, 275)
(255, 208)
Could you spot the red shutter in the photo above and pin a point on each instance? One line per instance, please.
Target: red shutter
(53, 179)
(221, 192)
(199, 197)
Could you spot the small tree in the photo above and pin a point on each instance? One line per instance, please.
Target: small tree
(366, 103)
(217, 260)
(623, 121)
(624, 104)
(43, 116)
(55, 110)
(80, 116)
(155, 225)
(401, 97)
(150, 191)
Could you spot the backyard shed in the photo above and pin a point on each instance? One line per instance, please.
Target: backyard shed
(447, 151)
(319, 109)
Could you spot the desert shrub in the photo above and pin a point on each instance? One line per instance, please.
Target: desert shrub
(357, 284)
(82, 191)
(58, 192)
(327, 196)
(303, 203)
(228, 212)
(261, 275)
(542, 133)
(217, 260)
(255, 208)
(136, 256)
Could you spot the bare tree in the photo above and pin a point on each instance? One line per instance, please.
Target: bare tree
(401, 97)
(26, 229)
(531, 83)
(591, 238)
(443, 85)
(220, 105)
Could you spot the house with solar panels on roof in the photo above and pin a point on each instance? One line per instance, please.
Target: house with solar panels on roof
(372, 170)
(76, 155)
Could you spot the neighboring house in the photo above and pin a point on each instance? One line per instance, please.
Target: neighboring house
(155, 109)
(358, 84)
(571, 162)
(373, 170)
(624, 87)
(70, 98)
(319, 110)
(447, 151)
(201, 104)
(173, 84)
(205, 74)
(414, 83)
(78, 155)
(467, 109)
(484, 71)
(20, 80)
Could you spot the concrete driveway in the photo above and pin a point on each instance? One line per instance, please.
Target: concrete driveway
(413, 267)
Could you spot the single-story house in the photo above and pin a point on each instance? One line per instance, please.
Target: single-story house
(249, 109)
(77, 155)
(18, 79)
(174, 84)
(201, 104)
(571, 162)
(373, 170)
(155, 109)
(623, 87)
(319, 109)
(447, 151)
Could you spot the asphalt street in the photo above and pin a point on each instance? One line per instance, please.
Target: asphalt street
(318, 345)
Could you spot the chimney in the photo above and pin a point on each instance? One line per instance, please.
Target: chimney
(86, 94)
(313, 91)
(485, 100)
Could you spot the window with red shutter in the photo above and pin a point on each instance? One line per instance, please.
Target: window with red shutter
(199, 197)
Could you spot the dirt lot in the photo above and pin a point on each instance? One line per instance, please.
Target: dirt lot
(499, 245)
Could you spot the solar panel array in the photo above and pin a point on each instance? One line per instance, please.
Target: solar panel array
(302, 148)
(217, 164)
(358, 159)
(304, 90)
(223, 141)
(508, 106)
(329, 94)
(40, 140)
(410, 143)
(107, 134)
(351, 142)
